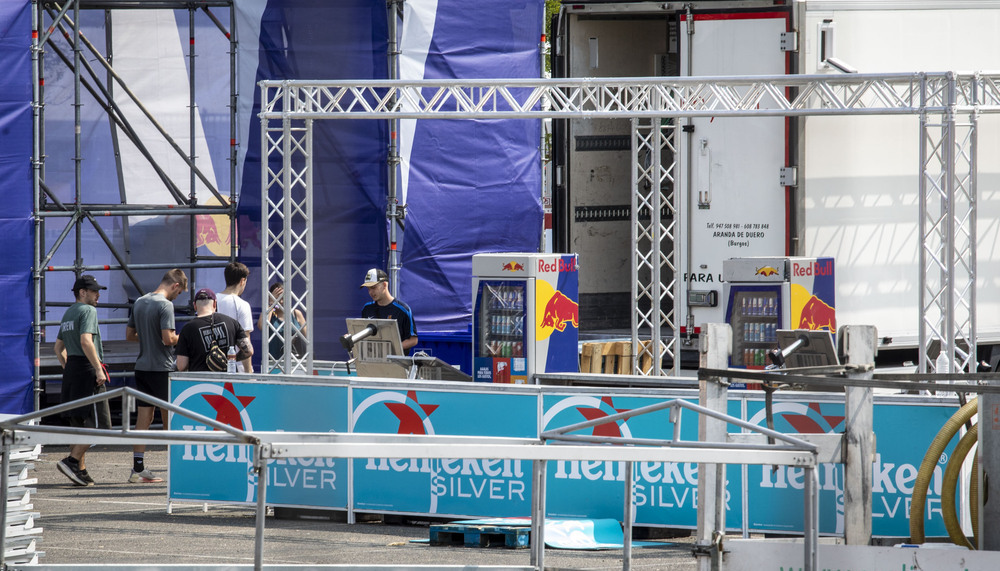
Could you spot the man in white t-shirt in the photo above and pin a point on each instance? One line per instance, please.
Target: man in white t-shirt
(230, 303)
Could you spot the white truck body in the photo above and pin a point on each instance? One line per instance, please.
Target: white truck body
(857, 192)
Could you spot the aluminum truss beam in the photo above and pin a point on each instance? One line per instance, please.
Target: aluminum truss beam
(286, 235)
(655, 252)
(947, 169)
(757, 96)
(947, 258)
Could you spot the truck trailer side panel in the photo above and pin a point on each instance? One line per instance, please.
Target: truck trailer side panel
(860, 175)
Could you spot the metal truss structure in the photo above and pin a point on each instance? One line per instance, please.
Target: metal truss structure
(948, 160)
(655, 254)
(57, 30)
(286, 236)
(947, 258)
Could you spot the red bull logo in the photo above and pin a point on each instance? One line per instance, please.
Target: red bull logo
(561, 311)
(816, 314)
(213, 233)
(766, 271)
(512, 267)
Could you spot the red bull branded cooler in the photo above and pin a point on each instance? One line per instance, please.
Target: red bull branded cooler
(526, 316)
(766, 294)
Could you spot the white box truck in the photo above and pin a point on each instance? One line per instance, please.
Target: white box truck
(845, 187)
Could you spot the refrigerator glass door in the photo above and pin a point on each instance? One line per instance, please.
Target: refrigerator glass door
(500, 325)
(755, 313)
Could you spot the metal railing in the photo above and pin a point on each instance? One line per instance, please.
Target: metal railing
(790, 451)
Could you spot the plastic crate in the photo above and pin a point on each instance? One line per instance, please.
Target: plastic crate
(452, 347)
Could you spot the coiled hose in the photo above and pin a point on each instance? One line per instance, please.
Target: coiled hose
(940, 442)
(974, 497)
(950, 482)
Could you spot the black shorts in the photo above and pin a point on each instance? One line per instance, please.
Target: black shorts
(79, 381)
(83, 421)
(153, 383)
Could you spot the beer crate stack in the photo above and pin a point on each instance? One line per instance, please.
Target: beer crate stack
(21, 536)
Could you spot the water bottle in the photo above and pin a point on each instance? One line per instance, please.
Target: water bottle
(231, 363)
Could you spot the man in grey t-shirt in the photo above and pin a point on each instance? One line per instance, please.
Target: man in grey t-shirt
(151, 323)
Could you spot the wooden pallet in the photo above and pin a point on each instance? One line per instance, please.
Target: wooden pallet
(615, 357)
(471, 535)
(612, 358)
(646, 356)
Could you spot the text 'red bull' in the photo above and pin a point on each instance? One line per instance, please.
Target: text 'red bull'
(558, 265)
(816, 314)
(560, 311)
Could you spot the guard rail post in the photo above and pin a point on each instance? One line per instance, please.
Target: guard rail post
(857, 344)
(716, 344)
(989, 464)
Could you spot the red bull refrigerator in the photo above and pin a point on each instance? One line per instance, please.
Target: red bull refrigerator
(766, 294)
(526, 316)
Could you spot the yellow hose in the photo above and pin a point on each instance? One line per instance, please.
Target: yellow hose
(949, 484)
(940, 442)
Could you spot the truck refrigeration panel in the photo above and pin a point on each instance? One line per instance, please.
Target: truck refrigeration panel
(860, 175)
(844, 186)
(727, 171)
(729, 180)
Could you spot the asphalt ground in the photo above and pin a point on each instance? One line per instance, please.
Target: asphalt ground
(116, 522)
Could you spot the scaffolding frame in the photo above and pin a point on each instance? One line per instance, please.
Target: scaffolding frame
(948, 105)
(50, 20)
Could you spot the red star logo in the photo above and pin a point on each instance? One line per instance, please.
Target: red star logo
(805, 425)
(608, 428)
(410, 421)
(225, 411)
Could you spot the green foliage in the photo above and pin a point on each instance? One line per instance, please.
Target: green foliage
(551, 10)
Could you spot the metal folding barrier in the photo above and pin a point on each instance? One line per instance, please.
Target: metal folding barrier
(786, 451)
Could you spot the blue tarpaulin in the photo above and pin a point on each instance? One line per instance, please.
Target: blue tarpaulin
(474, 185)
(469, 186)
(16, 217)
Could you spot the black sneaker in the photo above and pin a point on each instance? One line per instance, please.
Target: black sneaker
(86, 477)
(70, 468)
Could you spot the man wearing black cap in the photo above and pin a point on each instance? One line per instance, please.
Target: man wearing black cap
(384, 306)
(197, 335)
(79, 350)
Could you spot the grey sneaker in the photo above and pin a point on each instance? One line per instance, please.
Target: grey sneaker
(146, 477)
(86, 477)
(71, 469)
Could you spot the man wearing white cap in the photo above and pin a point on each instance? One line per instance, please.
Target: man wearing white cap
(384, 306)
